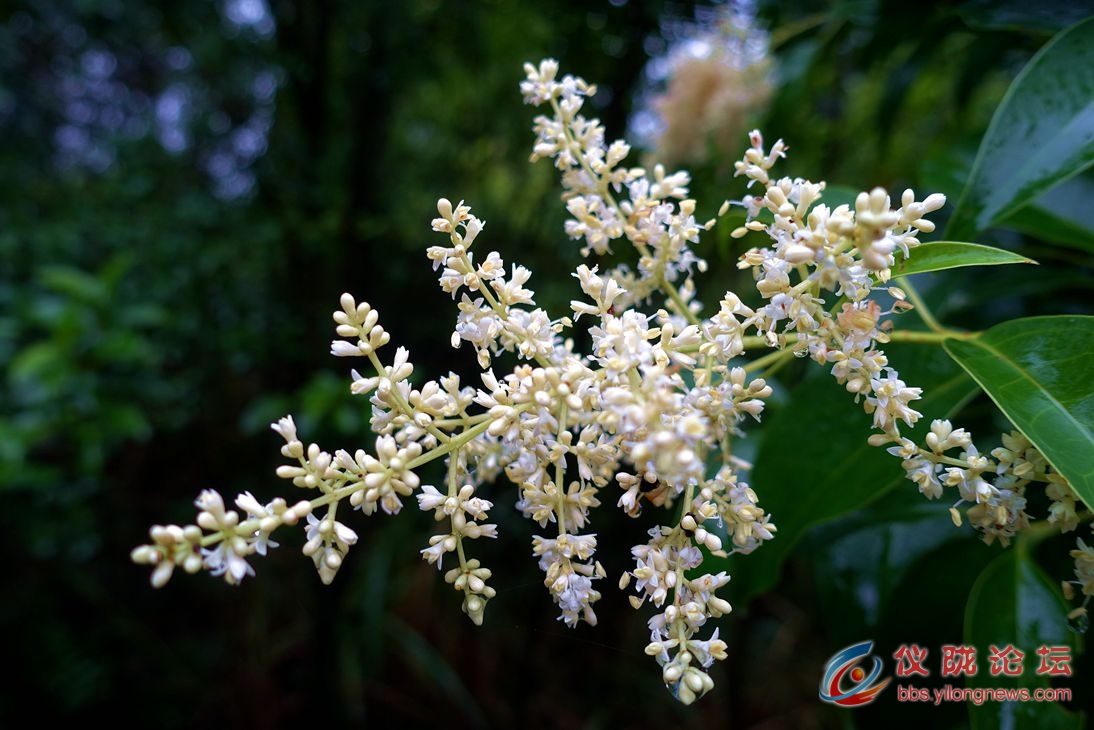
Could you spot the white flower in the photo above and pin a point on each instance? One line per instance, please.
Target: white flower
(429, 498)
(260, 540)
(438, 546)
(286, 428)
(329, 530)
(227, 559)
(341, 348)
(889, 401)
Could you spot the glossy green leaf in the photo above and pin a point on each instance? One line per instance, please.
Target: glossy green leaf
(1060, 215)
(1041, 134)
(861, 561)
(1020, 289)
(886, 584)
(1014, 603)
(814, 463)
(941, 255)
(1044, 16)
(1040, 373)
(1047, 225)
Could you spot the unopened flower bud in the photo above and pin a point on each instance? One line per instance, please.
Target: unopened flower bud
(473, 606)
(671, 673)
(162, 574)
(144, 555)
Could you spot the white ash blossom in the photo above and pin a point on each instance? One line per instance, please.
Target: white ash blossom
(569, 574)
(172, 545)
(229, 556)
(357, 321)
(698, 95)
(328, 541)
(268, 517)
(646, 399)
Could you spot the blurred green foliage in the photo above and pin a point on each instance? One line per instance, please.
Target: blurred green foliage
(185, 190)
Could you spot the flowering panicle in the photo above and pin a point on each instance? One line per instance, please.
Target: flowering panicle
(850, 253)
(607, 201)
(649, 415)
(219, 542)
(697, 97)
(490, 321)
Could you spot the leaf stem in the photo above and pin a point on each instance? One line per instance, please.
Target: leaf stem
(930, 338)
(773, 359)
(921, 306)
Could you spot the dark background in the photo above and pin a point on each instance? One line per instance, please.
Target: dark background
(185, 190)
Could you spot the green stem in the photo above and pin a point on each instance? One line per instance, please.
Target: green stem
(465, 421)
(457, 442)
(1034, 534)
(401, 402)
(929, 338)
(453, 490)
(495, 304)
(674, 296)
(921, 306)
(560, 474)
(752, 342)
(775, 358)
(787, 32)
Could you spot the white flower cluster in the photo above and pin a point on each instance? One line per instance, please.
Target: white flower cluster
(651, 412)
(850, 253)
(219, 542)
(697, 96)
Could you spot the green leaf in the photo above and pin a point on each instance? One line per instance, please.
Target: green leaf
(941, 255)
(861, 560)
(1014, 603)
(1046, 225)
(1023, 290)
(814, 463)
(1044, 16)
(1041, 134)
(1040, 373)
(1060, 215)
(75, 284)
(39, 361)
(122, 420)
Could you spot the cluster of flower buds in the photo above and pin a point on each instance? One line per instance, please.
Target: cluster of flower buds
(649, 415)
(219, 542)
(850, 253)
(697, 97)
